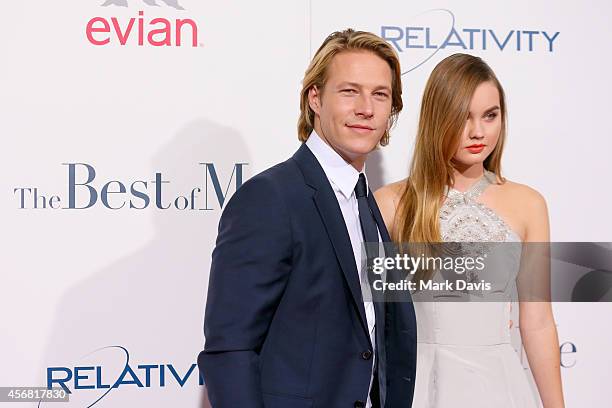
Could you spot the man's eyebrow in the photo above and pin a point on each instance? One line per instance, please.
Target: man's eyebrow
(383, 87)
(356, 85)
(352, 84)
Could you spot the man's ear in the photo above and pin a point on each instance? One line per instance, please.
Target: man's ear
(314, 99)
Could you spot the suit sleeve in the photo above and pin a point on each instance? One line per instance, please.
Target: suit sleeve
(250, 267)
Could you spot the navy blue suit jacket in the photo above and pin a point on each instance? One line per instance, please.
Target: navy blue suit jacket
(285, 324)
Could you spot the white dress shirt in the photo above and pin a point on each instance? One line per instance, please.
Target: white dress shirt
(343, 178)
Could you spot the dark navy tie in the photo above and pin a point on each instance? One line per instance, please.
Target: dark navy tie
(370, 235)
(368, 224)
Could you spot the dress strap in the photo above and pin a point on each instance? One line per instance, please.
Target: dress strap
(473, 192)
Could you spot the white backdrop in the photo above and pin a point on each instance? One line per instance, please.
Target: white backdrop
(83, 288)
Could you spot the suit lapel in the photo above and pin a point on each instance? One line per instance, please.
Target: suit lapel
(334, 224)
(329, 210)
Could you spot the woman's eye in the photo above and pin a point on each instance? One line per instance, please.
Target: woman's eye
(491, 115)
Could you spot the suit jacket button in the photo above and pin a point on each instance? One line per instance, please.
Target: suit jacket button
(359, 404)
(366, 355)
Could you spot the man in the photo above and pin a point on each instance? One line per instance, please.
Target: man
(286, 324)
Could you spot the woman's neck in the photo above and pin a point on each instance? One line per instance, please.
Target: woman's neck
(466, 177)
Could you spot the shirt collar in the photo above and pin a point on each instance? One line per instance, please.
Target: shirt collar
(341, 174)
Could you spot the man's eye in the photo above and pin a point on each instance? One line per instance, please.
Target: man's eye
(348, 91)
(381, 94)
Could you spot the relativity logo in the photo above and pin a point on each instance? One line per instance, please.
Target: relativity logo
(109, 368)
(84, 190)
(423, 35)
(144, 30)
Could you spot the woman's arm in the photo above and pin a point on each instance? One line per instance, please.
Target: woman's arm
(536, 321)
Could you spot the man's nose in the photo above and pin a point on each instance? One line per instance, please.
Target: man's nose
(364, 106)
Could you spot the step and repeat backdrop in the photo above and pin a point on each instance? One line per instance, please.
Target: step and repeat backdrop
(126, 125)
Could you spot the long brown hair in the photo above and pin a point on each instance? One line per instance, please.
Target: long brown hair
(444, 111)
(316, 74)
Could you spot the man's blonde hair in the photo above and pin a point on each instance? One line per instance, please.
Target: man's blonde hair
(316, 74)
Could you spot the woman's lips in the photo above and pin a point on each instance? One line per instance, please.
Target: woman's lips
(477, 148)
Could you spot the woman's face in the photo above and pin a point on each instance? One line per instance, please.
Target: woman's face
(482, 128)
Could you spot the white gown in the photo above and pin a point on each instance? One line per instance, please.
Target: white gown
(464, 354)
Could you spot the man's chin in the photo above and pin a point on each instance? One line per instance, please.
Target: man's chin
(363, 145)
(360, 152)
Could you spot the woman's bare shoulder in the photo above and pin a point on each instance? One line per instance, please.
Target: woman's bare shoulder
(521, 194)
(387, 198)
(529, 209)
(391, 192)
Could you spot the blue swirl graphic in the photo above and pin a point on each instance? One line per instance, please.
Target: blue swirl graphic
(127, 361)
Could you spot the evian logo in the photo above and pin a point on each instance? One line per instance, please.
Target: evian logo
(124, 3)
(142, 30)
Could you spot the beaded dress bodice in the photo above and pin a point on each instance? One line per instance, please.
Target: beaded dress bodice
(463, 219)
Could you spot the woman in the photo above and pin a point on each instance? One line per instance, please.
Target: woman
(455, 192)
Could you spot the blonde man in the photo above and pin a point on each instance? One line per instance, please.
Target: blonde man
(286, 325)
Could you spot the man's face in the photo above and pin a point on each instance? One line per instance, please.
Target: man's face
(352, 111)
